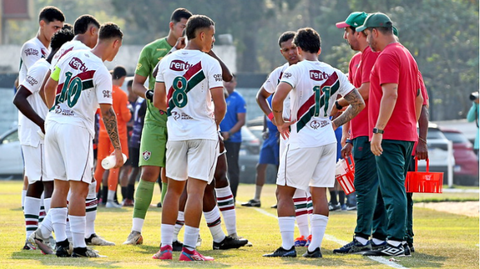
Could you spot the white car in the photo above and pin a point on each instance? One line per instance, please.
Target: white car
(11, 161)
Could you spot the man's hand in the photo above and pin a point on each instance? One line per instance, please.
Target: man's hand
(226, 135)
(376, 144)
(118, 158)
(347, 150)
(421, 151)
(181, 43)
(284, 128)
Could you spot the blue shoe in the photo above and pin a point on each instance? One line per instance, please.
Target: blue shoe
(300, 241)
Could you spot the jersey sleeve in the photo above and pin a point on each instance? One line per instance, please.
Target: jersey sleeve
(271, 83)
(143, 65)
(56, 73)
(241, 105)
(345, 85)
(214, 74)
(161, 67)
(423, 88)
(34, 77)
(30, 55)
(103, 86)
(290, 76)
(388, 69)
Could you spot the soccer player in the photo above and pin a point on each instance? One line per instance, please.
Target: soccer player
(371, 215)
(50, 20)
(120, 106)
(395, 103)
(31, 105)
(301, 198)
(195, 108)
(313, 87)
(85, 83)
(154, 135)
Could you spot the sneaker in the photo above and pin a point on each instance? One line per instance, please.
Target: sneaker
(354, 247)
(309, 240)
(113, 204)
(351, 208)
(334, 207)
(389, 250)
(128, 202)
(410, 245)
(191, 256)
(85, 253)
(159, 204)
(62, 249)
(344, 207)
(96, 240)
(378, 246)
(273, 206)
(314, 254)
(235, 236)
(300, 241)
(252, 203)
(199, 241)
(229, 242)
(407, 249)
(38, 241)
(281, 252)
(177, 245)
(165, 253)
(51, 242)
(28, 246)
(134, 238)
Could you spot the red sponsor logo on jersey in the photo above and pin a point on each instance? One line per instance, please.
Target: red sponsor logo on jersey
(77, 64)
(318, 75)
(178, 65)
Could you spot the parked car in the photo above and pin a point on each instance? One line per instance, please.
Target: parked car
(438, 154)
(11, 162)
(466, 162)
(248, 156)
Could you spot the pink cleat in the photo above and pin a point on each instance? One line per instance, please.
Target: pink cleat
(165, 253)
(189, 256)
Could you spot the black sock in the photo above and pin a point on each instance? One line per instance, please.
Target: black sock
(130, 191)
(104, 194)
(333, 198)
(341, 196)
(124, 193)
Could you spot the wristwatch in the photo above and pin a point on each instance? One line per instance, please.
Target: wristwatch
(377, 131)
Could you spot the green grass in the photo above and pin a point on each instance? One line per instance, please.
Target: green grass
(442, 240)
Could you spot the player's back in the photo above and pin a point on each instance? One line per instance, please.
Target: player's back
(188, 76)
(83, 83)
(66, 48)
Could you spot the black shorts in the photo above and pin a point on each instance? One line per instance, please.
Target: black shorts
(134, 154)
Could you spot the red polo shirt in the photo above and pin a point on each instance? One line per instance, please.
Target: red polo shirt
(396, 65)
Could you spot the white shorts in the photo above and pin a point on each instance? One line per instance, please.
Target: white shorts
(35, 167)
(283, 145)
(69, 151)
(195, 158)
(302, 168)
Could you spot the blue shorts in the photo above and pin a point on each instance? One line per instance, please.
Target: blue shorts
(269, 154)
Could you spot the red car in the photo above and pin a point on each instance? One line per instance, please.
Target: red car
(466, 162)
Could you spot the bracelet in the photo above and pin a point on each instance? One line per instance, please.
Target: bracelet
(422, 139)
(270, 116)
(349, 141)
(337, 105)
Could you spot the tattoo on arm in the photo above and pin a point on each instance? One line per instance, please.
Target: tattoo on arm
(356, 105)
(110, 121)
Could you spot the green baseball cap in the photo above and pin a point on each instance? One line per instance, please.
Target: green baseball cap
(375, 20)
(355, 19)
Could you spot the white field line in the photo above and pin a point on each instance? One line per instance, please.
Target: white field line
(341, 242)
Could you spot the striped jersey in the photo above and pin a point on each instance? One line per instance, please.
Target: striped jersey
(188, 76)
(315, 88)
(83, 83)
(270, 85)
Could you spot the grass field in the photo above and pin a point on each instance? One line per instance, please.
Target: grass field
(442, 240)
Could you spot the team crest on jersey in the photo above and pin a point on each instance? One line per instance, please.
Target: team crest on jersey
(146, 155)
(139, 65)
(287, 75)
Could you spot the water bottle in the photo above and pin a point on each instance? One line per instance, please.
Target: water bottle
(109, 162)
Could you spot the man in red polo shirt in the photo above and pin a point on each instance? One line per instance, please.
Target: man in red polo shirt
(394, 107)
(369, 199)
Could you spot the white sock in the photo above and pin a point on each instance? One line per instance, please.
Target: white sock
(110, 196)
(190, 237)
(31, 211)
(46, 227)
(319, 225)
(42, 213)
(394, 243)
(59, 223)
(258, 192)
(24, 194)
(77, 227)
(287, 228)
(214, 223)
(226, 204)
(377, 241)
(178, 225)
(68, 231)
(46, 204)
(137, 224)
(166, 234)
(362, 240)
(91, 215)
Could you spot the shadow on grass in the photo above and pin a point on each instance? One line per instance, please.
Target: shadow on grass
(52, 260)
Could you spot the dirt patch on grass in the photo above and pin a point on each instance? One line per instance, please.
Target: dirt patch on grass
(470, 209)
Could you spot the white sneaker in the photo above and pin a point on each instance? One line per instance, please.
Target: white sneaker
(96, 240)
(37, 240)
(134, 238)
(113, 204)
